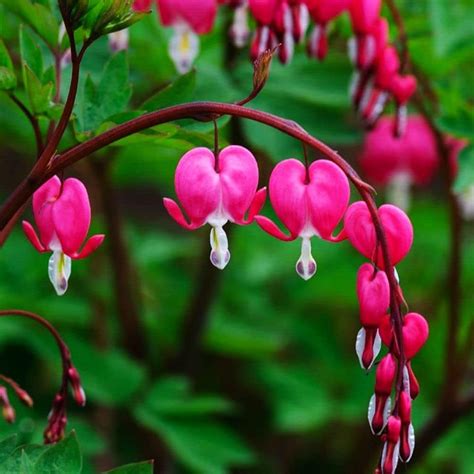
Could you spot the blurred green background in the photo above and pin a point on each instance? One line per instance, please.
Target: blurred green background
(274, 385)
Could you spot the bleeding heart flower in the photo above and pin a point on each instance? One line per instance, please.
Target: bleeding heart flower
(142, 5)
(309, 202)
(263, 10)
(359, 228)
(322, 12)
(399, 162)
(214, 193)
(380, 403)
(407, 441)
(415, 333)
(189, 18)
(373, 292)
(391, 448)
(364, 14)
(63, 214)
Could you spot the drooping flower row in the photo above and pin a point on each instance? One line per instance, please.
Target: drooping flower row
(285, 23)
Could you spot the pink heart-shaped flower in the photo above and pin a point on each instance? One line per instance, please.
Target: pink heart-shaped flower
(360, 230)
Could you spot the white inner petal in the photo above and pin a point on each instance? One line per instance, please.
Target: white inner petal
(240, 27)
(59, 271)
(220, 254)
(306, 265)
(398, 190)
(184, 47)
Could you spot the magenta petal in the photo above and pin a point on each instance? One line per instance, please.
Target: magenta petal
(328, 195)
(175, 212)
(271, 228)
(91, 245)
(199, 14)
(323, 11)
(415, 333)
(198, 185)
(360, 230)
(32, 236)
(72, 215)
(256, 206)
(288, 194)
(238, 172)
(364, 14)
(43, 200)
(263, 10)
(373, 292)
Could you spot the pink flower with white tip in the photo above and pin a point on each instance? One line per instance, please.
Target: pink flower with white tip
(310, 202)
(264, 13)
(400, 162)
(63, 215)
(380, 403)
(322, 12)
(407, 436)
(214, 191)
(373, 293)
(189, 18)
(403, 88)
(360, 229)
(391, 447)
(364, 16)
(415, 334)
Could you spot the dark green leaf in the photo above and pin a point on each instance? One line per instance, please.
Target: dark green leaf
(7, 446)
(63, 457)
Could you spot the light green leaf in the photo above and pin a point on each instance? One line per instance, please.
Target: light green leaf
(30, 54)
(7, 74)
(465, 177)
(7, 446)
(39, 95)
(63, 457)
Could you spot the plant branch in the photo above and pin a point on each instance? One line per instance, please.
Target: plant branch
(32, 119)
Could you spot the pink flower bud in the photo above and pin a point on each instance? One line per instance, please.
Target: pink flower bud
(78, 391)
(263, 10)
(63, 214)
(309, 203)
(8, 412)
(359, 228)
(407, 441)
(214, 194)
(415, 333)
(391, 448)
(364, 14)
(380, 403)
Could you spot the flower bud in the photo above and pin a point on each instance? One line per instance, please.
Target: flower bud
(78, 391)
(392, 446)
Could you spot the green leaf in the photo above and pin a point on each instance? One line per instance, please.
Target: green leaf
(7, 74)
(465, 177)
(63, 457)
(39, 17)
(7, 446)
(145, 467)
(177, 92)
(39, 95)
(108, 98)
(30, 54)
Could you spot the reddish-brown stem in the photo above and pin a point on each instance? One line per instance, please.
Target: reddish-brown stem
(209, 111)
(402, 34)
(32, 119)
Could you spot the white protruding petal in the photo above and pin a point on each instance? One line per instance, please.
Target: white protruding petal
(366, 96)
(240, 31)
(118, 40)
(398, 191)
(386, 412)
(466, 201)
(377, 346)
(304, 20)
(360, 344)
(352, 49)
(59, 271)
(220, 254)
(183, 48)
(402, 116)
(384, 456)
(378, 107)
(371, 411)
(396, 452)
(289, 45)
(406, 380)
(370, 49)
(314, 40)
(395, 274)
(411, 440)
(354, 84)
(264, 38)
(306, 265)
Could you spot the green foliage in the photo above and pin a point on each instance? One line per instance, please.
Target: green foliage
(7, 73)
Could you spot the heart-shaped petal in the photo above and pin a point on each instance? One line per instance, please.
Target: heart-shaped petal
(415, 333)
(238, 173)
(199, 14)
(72, 215)
(263, 10)
(373, 292)
(360, 230)
(403, 88)
(364, 14)
(323, 11)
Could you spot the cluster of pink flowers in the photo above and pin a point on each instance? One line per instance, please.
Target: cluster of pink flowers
(311, 201)
(284, 23)
(398, 163)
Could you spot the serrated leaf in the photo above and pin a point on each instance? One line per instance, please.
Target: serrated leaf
(7, 446)
(63, 457)
(145, 467)
(39, 95)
